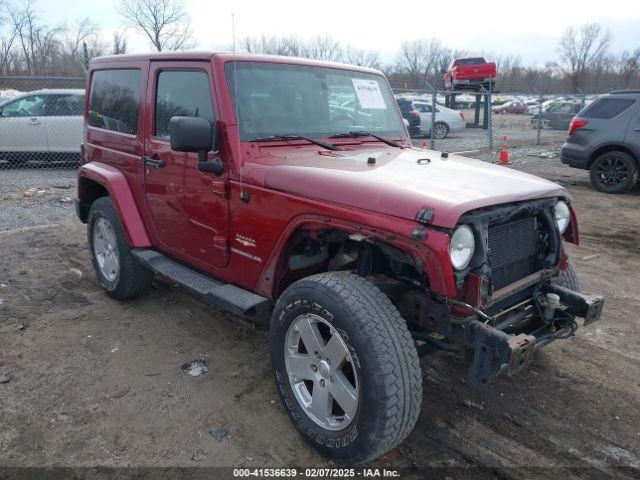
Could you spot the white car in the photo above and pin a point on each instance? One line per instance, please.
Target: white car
(447, 120)
(41, 125)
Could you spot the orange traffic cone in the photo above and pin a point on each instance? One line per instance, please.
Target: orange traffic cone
(424, 144)
(503, 153)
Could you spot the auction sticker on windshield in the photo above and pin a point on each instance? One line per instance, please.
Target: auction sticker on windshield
(369, 94)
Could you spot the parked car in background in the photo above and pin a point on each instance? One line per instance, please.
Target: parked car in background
(472, 73)
(41, 125)
(409, 112)
(534, 109)
(447, 120)
(9, 94)
(498, 100)
(557, 115)
(514, 106)
(464, 100)
(604, 138)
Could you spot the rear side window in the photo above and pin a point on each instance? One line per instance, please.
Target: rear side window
(115, 100)
(182, 93)
(607, 107)
(64, 105)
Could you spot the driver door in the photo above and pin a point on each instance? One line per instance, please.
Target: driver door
(188, 208)
(22, 126)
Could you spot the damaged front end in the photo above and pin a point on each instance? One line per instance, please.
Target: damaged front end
(511, 299)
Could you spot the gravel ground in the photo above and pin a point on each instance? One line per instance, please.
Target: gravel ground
(517, 128)
(98, 382)
(36, 197)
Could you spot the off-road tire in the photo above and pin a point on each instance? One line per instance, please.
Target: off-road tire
(384, 353)
(625, 160)
(133, 279)
(569, 278)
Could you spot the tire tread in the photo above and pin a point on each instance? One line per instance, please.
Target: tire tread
(382, 325)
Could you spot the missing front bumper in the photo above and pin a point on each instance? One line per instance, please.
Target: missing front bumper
(588, 307)
(496, 352)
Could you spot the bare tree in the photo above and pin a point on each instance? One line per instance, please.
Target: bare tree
(40, 44)
(422, 60)
(82, 39)
(290, 46)
(628, 68)
(7, 40)
(361, 58)
(164, 22)
(580, 49)
(323, 48)
(119, 46)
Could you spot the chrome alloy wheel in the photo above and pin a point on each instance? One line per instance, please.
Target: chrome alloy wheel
(439, 131)
(321, 372)
(105, 249)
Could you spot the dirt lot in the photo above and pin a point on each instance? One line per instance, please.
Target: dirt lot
(98, 382)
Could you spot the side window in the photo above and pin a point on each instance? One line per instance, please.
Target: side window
(115, 100)
(184, 93)
(63, 105)
(29, 106)
(607, 107)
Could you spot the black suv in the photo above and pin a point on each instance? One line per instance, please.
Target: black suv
(412, 115)
(604, 138)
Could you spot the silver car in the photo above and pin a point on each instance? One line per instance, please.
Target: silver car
(41, 124)
(447, 120)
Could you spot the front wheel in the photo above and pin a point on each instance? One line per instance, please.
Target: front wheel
(345, 366)
(569, 278)
(614, 172)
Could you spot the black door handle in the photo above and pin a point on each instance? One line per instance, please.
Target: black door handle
(156, 163)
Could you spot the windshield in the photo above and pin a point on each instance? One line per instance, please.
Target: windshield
(283, 99)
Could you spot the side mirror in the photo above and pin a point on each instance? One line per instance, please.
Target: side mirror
(196, 134)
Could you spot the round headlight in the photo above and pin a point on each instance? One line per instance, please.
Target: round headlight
(563, 216)
(462, 246)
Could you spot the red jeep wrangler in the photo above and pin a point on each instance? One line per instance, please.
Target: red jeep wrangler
(289, 188)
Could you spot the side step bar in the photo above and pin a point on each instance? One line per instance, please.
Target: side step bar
(229, 297)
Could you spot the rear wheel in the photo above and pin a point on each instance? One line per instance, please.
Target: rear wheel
(440, 130)
(118, 271)
(345, 366)
(614, 172)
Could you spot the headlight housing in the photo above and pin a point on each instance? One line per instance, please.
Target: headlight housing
(462, 246)
(562, 215)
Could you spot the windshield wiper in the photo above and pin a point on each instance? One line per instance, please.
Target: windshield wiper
(362, 133)
(271, 138)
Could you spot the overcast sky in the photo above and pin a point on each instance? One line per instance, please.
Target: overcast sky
(530, 29)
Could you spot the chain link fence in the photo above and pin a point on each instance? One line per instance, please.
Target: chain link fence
(466, 121)
(41, 122)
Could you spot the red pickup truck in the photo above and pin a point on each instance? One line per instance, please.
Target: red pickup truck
(471, 74)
